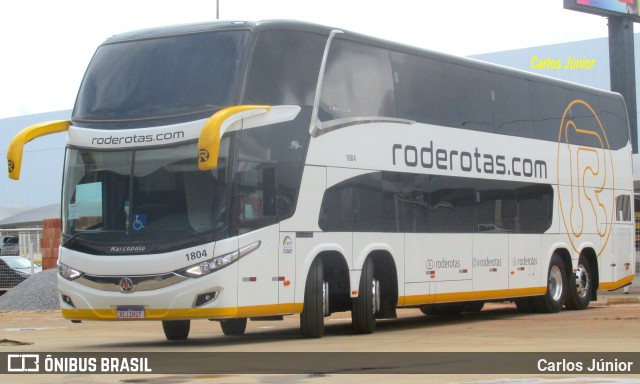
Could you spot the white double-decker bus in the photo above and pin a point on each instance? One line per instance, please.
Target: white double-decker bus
(236, 170)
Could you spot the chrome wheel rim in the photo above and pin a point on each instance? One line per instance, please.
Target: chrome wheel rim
(555, 283)
(325, 298)
(375, 289)
(583, 281)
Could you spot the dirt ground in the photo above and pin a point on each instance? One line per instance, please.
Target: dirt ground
(612, 324)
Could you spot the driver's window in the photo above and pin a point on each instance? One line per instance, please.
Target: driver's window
(87, 208)
(255, 198)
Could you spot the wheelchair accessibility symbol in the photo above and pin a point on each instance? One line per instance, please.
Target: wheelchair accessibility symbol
(139, 221)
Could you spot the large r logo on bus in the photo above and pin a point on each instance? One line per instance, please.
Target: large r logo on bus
(585, 177)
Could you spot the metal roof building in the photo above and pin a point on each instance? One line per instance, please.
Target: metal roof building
(41, 180)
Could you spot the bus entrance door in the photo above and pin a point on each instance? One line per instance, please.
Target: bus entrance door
(257, 286)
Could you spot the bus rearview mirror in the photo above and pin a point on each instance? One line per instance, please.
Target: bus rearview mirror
(215, 127)
(16, 146)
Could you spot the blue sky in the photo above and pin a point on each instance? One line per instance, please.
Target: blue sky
(47, 45)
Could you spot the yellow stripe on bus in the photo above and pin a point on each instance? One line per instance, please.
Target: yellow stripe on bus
(616, 284)
(186, 313)
(469, 296)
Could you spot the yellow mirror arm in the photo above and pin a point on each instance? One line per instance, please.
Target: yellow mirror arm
(16, 146)
(214, 128)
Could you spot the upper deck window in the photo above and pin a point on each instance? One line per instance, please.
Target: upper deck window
(358, 82)
(285, 68)
(162, 78)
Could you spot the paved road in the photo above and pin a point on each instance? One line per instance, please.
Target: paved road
(604, 327)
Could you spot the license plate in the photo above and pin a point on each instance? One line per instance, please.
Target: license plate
(130, 312)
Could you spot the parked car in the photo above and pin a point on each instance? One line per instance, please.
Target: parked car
(9, 246)
(14, 270)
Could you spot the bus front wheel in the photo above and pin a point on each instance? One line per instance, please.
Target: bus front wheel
(176, 330)
(233, 327)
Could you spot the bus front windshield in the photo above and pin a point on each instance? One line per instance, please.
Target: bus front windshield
(143, 200)
(152, 80)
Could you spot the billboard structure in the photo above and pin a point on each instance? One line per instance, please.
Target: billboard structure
(628, 8)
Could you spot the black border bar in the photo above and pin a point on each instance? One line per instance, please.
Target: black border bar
(606, 363)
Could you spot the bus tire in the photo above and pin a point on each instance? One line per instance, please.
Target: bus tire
(473, 306)
(176, 330)
(429, 310)
(525, 305)
(452, 309)
(233, 327)
(580, 286)
(315, 302)
(367, 304)
(553, 300)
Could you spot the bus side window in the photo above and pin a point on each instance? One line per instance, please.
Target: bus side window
(623, 208)
(255, 202)
(358, 82)
(613, 115)
(511, 106)
(285, 68)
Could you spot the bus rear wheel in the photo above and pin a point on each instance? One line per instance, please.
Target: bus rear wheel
(553, 300)
(316, 302)
(233, 327)
(453, 309)
(580, 286)
(367, 304)
(525, 305)
(473, 307)
(176, 330)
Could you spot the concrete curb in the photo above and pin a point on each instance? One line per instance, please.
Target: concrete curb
(623, 300)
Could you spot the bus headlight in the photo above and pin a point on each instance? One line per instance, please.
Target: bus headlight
(206, 267)
(68, 272)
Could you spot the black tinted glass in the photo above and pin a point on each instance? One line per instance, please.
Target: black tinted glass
(285, 68)
(163, 77)
(358, 82)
